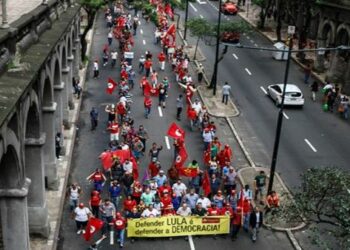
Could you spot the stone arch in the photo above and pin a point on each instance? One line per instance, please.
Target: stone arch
(13, 124)
(342, 35)
(328, 31)
(47, 95)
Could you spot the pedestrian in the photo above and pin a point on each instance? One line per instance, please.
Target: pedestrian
(154, 152)
(115, 193)
(98, 178)
(260, 184)
(114, 130)
(255, 221)
(131, 78)
(200, 72)
(143, 135)
(236, 223)
(96, 69)
(148, 66)
(58, 144)
(135, 24)
(191, 199)
(307, 73)
(179, 107)
(110, 37)
(161, 58)
(81, 215)
(162, 93)
(179, 188)
(225, 92)
(154, 79)
(119, 226)
(93, 118)
(147, 102)
(314, 90)
(95, 202)
(107, 210)
(74, 194)
(114, 56)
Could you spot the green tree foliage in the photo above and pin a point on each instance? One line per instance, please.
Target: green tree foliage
(235, 26)
(199, 28)
(323, 198)
(91, 7)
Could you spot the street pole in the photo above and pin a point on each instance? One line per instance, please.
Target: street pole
(280, 119)
(186, 17)
(213, 81)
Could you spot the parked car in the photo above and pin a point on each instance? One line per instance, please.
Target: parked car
(230, 37)
(293, 96)
(229, 8)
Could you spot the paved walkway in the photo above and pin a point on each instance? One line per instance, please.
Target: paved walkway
(17, 8)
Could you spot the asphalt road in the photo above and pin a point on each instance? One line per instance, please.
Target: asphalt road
(310, 137)
(90, 144)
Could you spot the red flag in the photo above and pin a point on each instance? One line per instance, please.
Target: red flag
(135, 170)
(241, 199)
(206, 184)
(92, 227)
(188, 172)
(176, 132)
(154, 91)
(106, 159)
(169, 11)
(181, 158)
(122, 155)
(171, 30)
(111, 85)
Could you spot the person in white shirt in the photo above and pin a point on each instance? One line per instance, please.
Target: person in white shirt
(179, 188)
(81, 215)
(184, 210)
(150, 212)
(197, 106)
(96, 69)
(207, 138)
(204, 201)
(127, 166)
(114, 56)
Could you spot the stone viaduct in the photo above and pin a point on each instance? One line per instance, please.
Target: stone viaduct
(39, 56)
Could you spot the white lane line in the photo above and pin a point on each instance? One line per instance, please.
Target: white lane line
(160, 111)
(286, 116)
(255, 45)
(111, 236)
(193, 7)
(201, 16)
(167, 142)
(262, 88)
(310, 145)
(247, 70)
(190, 240)
(201, 2)
(139, 22)
(216, 8)
(141, 31)
(235, 56)
(144, 42)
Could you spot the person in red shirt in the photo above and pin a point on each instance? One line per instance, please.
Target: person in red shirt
(166, 201)
(165, 189)
(145, 86)
(128, 204)
(95, 202)
(148, 66)
(98, 178)
(153, 168)
(161, 58)
(123, 74)
(227, 210)
(148, 105)
(236, 223)
(213, 210)
(136, 191)
(119, 224)
(168, 211)
(114, 130)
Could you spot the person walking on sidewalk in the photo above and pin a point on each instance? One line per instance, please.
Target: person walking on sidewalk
(255, 221)
(314, 90)
(200, 72)
(225, 92)
(179, 107)
(93, 118)
(307, 73)
(96, 69)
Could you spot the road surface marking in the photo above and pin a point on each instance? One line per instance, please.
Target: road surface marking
(193, 7)
(190, 240)
(139, 22)
(248, 71)
(111, 236)
(216, 8)
(262, 88)
(141, 31)
(144, 42)
(235, 56)
(160, 111)
(310, 145)
(167, 142)
(255, 45)
(251, 40)
(201, 2)
(201, 16)
(286, 116)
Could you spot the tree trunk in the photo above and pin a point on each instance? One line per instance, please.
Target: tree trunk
(90, 18)
(195, 50)
(279, 20)
(263, 14)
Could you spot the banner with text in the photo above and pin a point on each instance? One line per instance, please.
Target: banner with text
(169, 226)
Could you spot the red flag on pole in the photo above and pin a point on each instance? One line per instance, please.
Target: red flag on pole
(176, 132)
(122, 155)
(135, 170)
(181, 158)
(206, 184)
(188, 172)
(106, 159)
(169, 11)
(111, 85)
(92, 227)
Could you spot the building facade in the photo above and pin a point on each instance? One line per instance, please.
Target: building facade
(39, 56)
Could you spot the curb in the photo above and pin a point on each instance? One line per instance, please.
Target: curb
(75, 118)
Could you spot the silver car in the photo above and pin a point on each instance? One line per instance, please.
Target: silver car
(293, 97)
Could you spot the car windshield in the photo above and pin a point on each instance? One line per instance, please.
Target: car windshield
(293, 94)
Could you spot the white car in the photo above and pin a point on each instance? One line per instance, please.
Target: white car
(293, 96)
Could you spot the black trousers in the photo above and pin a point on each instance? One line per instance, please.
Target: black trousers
(178, 113)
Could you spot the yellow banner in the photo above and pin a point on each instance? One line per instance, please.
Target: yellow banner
(169, 226)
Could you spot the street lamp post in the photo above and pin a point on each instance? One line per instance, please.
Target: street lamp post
(186, 18)
(213, 81)
(280, 119)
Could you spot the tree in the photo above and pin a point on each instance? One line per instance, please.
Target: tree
(91, 7)
(265, 6)
(199, 27)
(323, 199)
